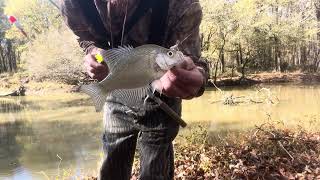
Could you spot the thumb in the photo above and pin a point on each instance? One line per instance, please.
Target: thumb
(95, 51)
(187, 64)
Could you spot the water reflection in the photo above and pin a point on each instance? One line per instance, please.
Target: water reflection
(9, 105)
(35, 146)
(11, 148)
(32, 139)
(297, 105)
(35, 129)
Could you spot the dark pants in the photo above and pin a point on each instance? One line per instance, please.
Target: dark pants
(152, 130)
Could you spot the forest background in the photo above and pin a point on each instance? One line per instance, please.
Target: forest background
(239, 37)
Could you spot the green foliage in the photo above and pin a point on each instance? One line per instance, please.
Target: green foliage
(8, 53)
(51, 51)
(237, 35)
(2, 21)
(36, 17)
(262, 35)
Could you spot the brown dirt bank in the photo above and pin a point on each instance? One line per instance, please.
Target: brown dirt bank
(274, 78)
(11, 82)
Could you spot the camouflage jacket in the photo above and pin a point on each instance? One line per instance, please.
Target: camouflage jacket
(183, 21)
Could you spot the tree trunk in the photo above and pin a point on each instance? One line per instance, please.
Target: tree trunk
(216, 71)
(1, 58)
(238, 57)
(243, 68)
(277, 60)
(221, 53)
(222, 60)
(303, 56)
(317, 6)
(8, 58)
(240, 54)
(276, 41)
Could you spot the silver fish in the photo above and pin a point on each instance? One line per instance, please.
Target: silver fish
(131, 68)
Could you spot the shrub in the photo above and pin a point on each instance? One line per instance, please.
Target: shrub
(55, 55)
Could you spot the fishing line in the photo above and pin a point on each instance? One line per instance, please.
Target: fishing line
(124, 22)
(110, 22)
(54, 4)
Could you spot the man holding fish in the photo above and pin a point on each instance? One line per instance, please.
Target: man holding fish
(127, 45)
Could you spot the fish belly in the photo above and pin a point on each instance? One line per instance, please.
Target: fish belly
(127, 81)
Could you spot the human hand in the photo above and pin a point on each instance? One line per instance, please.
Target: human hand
(183, 81)
(94, 69)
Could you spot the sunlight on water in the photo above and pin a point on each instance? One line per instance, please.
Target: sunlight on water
(293, 105)
(35, 129)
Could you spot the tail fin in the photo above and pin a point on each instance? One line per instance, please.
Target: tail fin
(96, 93)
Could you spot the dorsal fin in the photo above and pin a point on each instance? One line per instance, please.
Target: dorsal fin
(111, 57)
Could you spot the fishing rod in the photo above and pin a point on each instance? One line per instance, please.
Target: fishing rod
(53, 3)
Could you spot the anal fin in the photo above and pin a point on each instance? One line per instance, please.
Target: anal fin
(96, 93)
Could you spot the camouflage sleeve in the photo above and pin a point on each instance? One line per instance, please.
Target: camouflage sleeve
(75, 20)
(186, 29)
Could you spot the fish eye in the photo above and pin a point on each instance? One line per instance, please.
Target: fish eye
(170, 53)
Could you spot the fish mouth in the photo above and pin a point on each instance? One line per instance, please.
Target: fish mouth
(171, 67)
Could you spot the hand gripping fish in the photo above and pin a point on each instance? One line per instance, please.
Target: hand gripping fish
(132, 68)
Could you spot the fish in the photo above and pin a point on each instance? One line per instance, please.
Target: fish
(132, 68)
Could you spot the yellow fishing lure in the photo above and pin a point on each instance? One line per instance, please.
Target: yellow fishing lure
(99, 58)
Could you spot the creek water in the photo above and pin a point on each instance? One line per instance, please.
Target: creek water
(53, 134)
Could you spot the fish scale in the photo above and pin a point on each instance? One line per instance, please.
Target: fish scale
(131, 73)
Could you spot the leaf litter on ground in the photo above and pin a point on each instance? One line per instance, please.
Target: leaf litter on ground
(265, 152)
